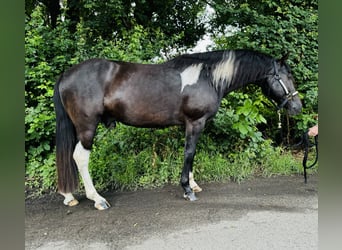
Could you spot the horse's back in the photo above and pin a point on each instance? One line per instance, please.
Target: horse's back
(145, 95)
(90, 74)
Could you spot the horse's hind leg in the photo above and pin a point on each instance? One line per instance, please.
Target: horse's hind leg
(81, 156)
(69, 199)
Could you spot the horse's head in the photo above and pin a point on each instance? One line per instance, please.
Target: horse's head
(280, 87)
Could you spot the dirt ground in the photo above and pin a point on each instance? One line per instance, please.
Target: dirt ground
(261, 213)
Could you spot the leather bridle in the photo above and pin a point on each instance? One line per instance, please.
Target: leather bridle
(288, 95)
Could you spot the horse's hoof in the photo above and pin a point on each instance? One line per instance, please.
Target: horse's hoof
(71, 203)
(103, 205)
(197, 189)
(190, 196)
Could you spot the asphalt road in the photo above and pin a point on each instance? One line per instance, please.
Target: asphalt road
(261, 213)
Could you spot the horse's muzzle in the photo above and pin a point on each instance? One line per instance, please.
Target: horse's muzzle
(294, 106)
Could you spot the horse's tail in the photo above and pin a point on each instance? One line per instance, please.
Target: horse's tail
(65, 145)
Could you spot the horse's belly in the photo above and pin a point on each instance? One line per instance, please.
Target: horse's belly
(152, 119)
(145, 112)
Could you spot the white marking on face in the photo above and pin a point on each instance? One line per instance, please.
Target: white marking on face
(190, 75)
(224, 70)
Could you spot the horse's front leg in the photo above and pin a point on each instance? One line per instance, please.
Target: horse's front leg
(192, 133)
(81, 156)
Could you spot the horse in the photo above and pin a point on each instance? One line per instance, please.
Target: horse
(184, 91)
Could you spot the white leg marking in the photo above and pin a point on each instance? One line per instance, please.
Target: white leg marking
(194, 186)
(225, 69)
(69, 199)
(190, 75)
(81, 157)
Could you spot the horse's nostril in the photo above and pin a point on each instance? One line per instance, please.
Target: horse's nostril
(297, 109)
(294, 108)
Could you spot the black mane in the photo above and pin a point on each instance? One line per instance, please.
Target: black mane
(202, 57)
(249, 65)
(253, 66)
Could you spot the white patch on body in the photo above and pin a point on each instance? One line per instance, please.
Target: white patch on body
(81, 157)
(109, 73)
(190, 75)
(224, 70)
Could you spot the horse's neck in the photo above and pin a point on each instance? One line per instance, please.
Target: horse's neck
(244, 76)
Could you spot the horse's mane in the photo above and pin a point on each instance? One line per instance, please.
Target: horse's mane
(202, 57)
(249, 65)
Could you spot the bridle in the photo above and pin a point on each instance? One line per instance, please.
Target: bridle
(288, 95)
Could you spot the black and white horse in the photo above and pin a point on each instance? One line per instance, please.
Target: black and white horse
(186, 90)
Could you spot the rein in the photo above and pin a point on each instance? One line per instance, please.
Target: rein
(306, 143)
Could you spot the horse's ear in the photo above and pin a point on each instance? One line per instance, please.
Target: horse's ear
(283, 59)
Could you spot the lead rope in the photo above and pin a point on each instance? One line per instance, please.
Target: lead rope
(306, 142)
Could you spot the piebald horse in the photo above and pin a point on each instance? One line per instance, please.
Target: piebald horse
(186, 90)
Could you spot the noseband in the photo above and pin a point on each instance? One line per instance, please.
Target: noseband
(288, 94)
